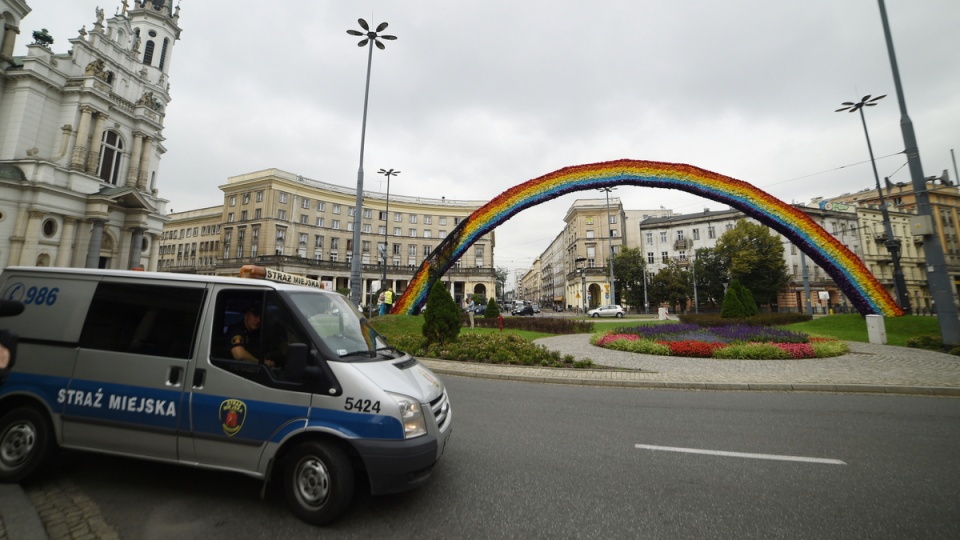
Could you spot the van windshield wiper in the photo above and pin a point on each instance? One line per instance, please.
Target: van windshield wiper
(361, 352)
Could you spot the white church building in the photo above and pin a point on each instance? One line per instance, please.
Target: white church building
(81, 137)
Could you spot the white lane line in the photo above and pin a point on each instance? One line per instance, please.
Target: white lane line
(740, 454)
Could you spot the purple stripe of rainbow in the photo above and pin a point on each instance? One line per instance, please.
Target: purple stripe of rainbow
(847, 270)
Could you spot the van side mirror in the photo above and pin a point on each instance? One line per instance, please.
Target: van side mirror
(296, 361)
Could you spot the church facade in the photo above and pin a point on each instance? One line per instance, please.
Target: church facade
(81, 138)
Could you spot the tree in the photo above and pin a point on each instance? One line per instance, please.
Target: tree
(710, 275)
(501, 277)
(628, 267)
(755, 259)
(441, 320)
(493, 310)
(671, 285)
(738, 302)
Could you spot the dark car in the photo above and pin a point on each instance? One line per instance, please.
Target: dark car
(524, 310)
(480, 309)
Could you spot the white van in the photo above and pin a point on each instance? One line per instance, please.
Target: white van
(146, 364)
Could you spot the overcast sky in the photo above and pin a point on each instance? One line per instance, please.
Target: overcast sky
(475, 97)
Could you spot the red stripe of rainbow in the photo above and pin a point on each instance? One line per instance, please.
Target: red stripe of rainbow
(848, 271)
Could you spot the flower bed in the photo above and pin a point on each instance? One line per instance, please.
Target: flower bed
(724, 342)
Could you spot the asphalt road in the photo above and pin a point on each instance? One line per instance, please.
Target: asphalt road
(545, 461)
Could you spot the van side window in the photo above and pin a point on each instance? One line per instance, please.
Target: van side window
(154, 320)
(250, 336)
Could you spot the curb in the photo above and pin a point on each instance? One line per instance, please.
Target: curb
(485, 371)
(18, 517)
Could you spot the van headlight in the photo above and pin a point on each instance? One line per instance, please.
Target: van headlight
(411, 416)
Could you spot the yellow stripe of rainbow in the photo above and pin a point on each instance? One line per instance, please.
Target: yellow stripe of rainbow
(848, 271)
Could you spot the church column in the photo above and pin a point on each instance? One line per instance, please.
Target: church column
(83, 133)
(28, 256)
(93, 160)
(154, 252)
(96, 241)
(136, 245)
(134, 170)
(9, 38)
(145, 154)
(65, 251)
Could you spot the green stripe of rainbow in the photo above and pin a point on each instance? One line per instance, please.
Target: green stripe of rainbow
(847, 270)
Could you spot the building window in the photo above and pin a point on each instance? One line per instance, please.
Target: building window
(257, 213)
(427, 220)
(413, 233)
(443, 220)
(246, 198)
(336, 209)
(683, 255)
(711, 232)
(612, 219)
(696, 234)
(664, 257)
(318, 241)
(366, 227)
(230, 217)
(303, 239)
(283, 197)
(365, 246)
(260, 196)
(320, 222)
(336, 224)
(334, 243)
(367, 213)
(281, 234)
(321, 206)
(650, 259)
(397, 231)
(679, 235)
(111, 150)
(413, 218)
(233, 200)
(426, 251)
(350, 226)
(304, 219)
(281, 214)
(427, 233)
(382, 216)
(649, 237)
(148, 52)
(382, 229)
(663, 236)
(351, 211)
(163, 52)
(728, 226)
(305, 203)
(412, 250)
(589, 234)
(397, 217)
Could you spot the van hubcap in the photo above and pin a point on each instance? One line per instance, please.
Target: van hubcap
(313, 481)
(16, 445)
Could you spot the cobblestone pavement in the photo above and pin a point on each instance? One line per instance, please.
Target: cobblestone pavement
(66, 513)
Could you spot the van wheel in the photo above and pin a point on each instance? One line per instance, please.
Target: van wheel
(25, 442)
(595, 315)
(619, 315)
(318, 482)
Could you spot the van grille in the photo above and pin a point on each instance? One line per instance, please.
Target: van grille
(441, 410)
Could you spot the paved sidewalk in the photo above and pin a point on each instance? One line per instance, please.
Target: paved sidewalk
(867, 368)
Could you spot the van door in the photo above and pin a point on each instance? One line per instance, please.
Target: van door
(237, 407)
(126, 394)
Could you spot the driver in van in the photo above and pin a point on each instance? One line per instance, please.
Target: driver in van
(244, 337)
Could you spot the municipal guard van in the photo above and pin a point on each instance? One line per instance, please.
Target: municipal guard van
(265, 377)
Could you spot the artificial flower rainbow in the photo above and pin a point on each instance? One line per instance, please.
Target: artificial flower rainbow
(847, 270)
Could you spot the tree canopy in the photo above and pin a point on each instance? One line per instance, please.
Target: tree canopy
(672, 285)
(755, 258)
(628, 267)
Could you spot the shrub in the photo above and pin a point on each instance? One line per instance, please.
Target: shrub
(752, 351)
(738, 302)
(493, 310)
(933, 343)
(763, 319)
(826, 349)
(441, 321)
(798, 350)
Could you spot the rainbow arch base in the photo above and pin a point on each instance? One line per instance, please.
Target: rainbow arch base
(853, 277)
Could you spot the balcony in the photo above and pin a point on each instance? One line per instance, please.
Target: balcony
(682, 244)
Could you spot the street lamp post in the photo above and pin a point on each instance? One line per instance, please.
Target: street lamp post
(370, 38)
(583, 283)
(613, 293)
(386, 222)
(893, 244)
(937, 272)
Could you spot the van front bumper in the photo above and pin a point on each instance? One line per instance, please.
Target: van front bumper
(397, 466)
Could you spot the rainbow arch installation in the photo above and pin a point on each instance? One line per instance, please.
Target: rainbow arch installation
(847, 270)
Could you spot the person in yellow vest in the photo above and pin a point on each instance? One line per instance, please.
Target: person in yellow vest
(387, 304)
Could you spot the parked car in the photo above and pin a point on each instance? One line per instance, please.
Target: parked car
(523, 310)
(480, 309)
(536, 308)
(606, 311)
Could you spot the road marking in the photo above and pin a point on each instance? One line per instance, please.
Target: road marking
(740, 454)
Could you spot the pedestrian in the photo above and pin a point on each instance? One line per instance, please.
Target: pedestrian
(471, 308)
(381, 303)
(388, 297)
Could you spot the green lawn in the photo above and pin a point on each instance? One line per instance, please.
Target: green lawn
(854, 327)
(843, 327)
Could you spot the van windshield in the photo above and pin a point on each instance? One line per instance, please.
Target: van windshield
(342, 328)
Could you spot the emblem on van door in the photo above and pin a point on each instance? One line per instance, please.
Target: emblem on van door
(232, 414)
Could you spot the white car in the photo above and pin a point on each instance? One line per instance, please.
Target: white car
(606, 311)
